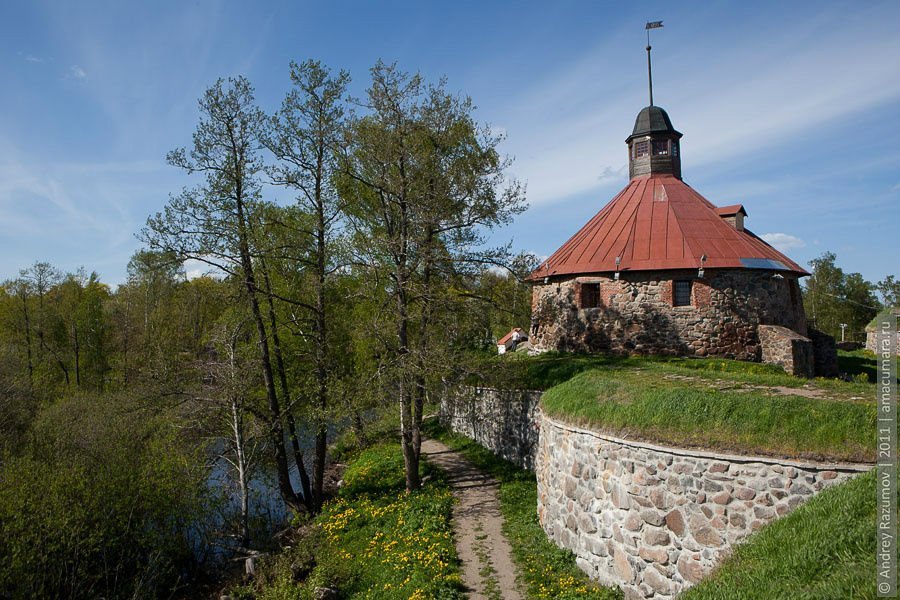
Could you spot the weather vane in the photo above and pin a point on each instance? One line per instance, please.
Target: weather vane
(651, 25)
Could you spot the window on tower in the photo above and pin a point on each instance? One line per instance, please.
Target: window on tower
(660, 147)
(674, 148)
(681, 293)
(590, 295)
(641, 149)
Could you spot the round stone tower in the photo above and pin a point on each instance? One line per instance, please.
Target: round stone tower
(662, 270)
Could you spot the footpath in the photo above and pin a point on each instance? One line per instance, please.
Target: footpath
(488, 570)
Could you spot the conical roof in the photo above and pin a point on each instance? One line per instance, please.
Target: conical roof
(658, 222)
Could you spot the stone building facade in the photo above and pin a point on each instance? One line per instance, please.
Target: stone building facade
(637, 314)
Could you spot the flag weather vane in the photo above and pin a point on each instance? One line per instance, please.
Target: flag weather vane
(651, 25)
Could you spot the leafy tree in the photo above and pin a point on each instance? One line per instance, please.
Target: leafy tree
(213, 223)
(833, 297)
(889, 288)
(305, 138)
(424, 183)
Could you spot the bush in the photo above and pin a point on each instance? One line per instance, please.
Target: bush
(100, 504)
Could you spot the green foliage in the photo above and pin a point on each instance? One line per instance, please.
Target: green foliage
(826, 549)
(833, 297)
(545, 571)
(100, 504)
(715, 414)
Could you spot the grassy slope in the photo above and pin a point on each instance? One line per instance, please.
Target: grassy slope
(545, 571)
(688, 413)
(717, 404)
(823, 550)
(373, 541)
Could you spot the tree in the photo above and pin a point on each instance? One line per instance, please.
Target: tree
(424, 182)
(833, 297)
(305, 137)
(213, 222)
(889, 288)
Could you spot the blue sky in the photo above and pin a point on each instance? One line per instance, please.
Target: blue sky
(791, 108)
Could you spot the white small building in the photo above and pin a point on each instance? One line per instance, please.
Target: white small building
(509, 341)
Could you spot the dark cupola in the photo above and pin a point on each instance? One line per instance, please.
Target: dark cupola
(653, 146)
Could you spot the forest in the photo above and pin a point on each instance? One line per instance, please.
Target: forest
(360, 293)
(367, 291)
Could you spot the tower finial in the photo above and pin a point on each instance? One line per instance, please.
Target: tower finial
(651, 25)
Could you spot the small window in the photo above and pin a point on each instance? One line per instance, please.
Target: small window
(681, 293)
(674, 148)
(641, 149)
(590, 295)
(660, 147)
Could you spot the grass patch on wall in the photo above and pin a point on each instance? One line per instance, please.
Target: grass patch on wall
(545, 571)
(373, 541)
(646, 404)
(549, 369)
(824, 549)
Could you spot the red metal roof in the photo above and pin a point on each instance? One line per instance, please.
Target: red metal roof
(660, 222)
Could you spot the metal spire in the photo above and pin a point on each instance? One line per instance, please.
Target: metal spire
(651, 25)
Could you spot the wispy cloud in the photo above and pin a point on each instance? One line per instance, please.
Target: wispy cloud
(33, 59)
(783, 241)
(77, 72)
(570, 124)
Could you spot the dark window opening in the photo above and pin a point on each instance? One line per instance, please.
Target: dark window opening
(641, 149)
(660, 147)
(681, 293)
(590, 295)
(674, 148)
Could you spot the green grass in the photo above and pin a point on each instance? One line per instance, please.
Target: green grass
(687, 412)
(545, 571)
(546, 370)
(374, 541)
(823, 550)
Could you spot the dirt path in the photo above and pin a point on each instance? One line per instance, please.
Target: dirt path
(488, 570)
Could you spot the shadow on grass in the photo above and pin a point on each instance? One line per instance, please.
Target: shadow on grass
(858, 362)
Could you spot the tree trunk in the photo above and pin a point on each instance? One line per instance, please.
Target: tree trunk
(321, 352)
(276, 425)
(28, 343)
(308, 498)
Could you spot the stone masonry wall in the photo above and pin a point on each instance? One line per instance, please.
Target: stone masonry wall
(636, 314)
(656, 520)
(503, 421)
(788, 349)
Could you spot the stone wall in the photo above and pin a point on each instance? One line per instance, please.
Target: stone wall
(788, 349)
(636, 314)
(503, 421)
(655, 520)
(824, 353)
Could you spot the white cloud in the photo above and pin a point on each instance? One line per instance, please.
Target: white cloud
(33, 59)
(194, 269)
(77, 72)
(567, 130)
(783, 241)
(895, 187)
